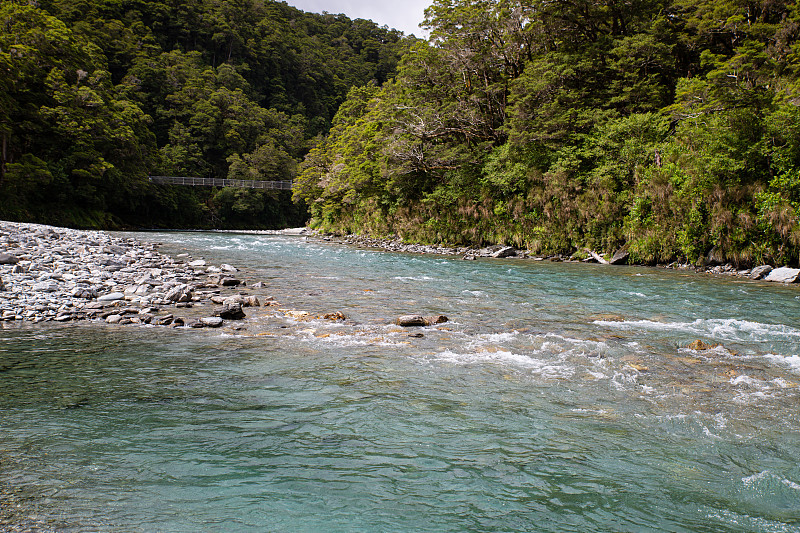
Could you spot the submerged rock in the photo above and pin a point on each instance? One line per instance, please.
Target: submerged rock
(701, 346)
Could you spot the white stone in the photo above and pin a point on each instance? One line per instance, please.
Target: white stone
(111, 297)
(783, 275)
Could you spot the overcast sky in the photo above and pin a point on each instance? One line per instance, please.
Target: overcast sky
(403, 15)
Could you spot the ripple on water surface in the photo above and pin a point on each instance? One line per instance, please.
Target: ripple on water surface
(559, 398)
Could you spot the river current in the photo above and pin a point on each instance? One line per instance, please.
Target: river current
(559, 397)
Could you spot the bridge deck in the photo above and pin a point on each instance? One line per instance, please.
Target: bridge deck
(217, 182)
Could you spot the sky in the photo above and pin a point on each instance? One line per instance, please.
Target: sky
(404, 15)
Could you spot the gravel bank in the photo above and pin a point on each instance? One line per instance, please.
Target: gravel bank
(58, 274)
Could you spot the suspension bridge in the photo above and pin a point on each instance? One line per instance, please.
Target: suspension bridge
(218, 182)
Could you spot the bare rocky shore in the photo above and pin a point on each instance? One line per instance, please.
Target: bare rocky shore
(57, 274)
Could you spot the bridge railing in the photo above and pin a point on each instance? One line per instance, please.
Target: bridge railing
(219, 182)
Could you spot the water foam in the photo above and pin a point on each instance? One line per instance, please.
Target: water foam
(727, 328)
(547, 369)
(792, 361)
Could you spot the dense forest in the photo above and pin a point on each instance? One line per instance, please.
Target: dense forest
(667, 127)
(95, 95)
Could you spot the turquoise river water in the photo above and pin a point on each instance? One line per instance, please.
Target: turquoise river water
(560, 397)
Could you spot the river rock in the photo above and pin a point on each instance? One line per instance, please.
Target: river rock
(505, 251)
(46, 286)
(197, 264)
(228, 268)
(165, 320)
(783, 275)
(114, 319)
(85, 293)
(212, 321)
(231, 311)
(230, 282)
(231, 300)
(620, 258)
(409, 321)
(419, 320)
(760, 271)
(701, 346)
(179, 293)
(111, 297)
(8, 259)
(296, 314)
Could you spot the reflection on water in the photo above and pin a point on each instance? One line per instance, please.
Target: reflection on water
(559, 397)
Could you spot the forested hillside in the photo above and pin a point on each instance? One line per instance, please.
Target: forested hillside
(97, 94)
(668, 127)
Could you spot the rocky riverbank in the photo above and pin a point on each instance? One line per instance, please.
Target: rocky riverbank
(708, 265)
(61, 275)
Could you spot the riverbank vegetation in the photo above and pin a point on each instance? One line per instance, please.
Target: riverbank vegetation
(95, 95)
(667, 127)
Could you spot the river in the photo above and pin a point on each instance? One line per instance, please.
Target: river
(559, 397)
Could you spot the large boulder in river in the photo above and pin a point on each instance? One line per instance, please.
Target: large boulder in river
(231, 311)
(410, 321)
(760, 271)
(784, 275)
(212, 321)
(505, 251)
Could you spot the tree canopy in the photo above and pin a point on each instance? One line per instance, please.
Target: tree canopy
(95, 95)
(669, 127)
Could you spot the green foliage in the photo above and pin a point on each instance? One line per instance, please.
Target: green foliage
(96, 95)
(668, 127)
